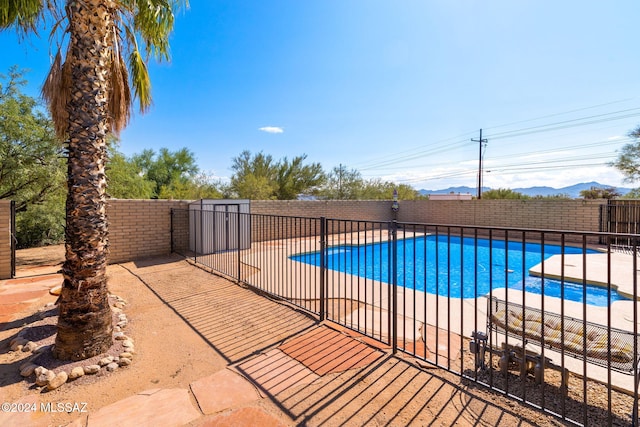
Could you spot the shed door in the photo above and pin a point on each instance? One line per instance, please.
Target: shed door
(226, 227)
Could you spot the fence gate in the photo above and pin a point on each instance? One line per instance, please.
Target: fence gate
(621, 216)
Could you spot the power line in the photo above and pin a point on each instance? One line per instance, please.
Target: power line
(565, 124)
(424, 149)
(436, 148)
(569, 147)
(559, 114)
(504, 171)
(537, 152)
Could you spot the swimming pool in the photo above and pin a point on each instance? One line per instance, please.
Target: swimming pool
(449, 266)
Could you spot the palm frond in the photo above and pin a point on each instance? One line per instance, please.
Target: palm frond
(120, 94)
(21, 14)
(55, 92)
(154, 21)
(140, 79)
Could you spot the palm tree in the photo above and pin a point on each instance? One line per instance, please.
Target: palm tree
(88, 94)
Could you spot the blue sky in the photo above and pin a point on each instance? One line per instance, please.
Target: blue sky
(395, 89)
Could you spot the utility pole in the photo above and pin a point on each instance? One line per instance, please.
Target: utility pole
(480, 141)
(340, 182)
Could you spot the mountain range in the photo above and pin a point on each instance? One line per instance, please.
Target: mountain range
(572, 191)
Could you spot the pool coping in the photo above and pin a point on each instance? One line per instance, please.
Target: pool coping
(571, 268)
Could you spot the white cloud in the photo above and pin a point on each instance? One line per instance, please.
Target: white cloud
(271, 129)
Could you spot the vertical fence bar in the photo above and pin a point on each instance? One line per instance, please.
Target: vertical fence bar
(415, 294)
(239, 244)
(425, 291)
(610, 419)
(394, 286)
(523, 250)
(475, 307)
(462, 278)
(366, 280)
(197, 231)
(449, 297)
(380, 287)
(490, 310)
(636, 375)
(542, 285)
(506, 285)
(585, 413)
(12, 234)
(323, 268)
(437, 293)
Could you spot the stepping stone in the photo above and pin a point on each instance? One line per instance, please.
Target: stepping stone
(223, 390)
(429, 335)
(162, 407)
(245, 417)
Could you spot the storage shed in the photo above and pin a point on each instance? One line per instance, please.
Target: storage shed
(218, 225)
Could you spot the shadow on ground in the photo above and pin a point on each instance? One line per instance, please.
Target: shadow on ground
(308, 383)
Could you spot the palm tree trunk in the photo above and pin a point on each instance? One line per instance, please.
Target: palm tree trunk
(84, 326)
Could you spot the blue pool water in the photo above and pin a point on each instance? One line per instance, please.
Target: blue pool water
(447, 266)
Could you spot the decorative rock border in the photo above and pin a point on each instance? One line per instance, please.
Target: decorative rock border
(52, 380)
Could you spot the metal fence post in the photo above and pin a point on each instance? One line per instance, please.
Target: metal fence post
(394, 285)
(195, 251)
(238, 246)
(323, 266)
(14, 238)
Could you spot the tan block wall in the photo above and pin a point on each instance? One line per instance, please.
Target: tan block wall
(265, 228)
(369, 210)
(561, 215)
(5, 239)
(140, 228)
(574, 215)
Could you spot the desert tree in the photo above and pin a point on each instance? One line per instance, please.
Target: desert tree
(260, 177)
(628, 161)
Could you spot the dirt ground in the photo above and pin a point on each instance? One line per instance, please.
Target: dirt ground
(154, 327)
(178, 341)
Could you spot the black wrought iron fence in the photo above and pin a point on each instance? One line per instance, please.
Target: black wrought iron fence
(548, 318)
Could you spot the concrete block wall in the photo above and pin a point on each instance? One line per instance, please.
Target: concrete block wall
(369, 210)
(5, 239)
(263, 228)
(574, 215)
(181, 229)
(140, 228)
